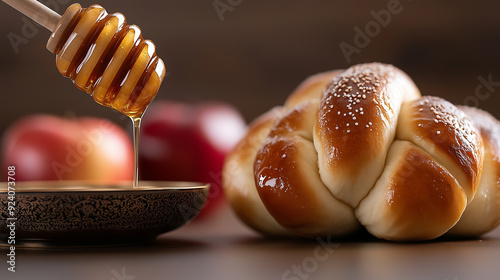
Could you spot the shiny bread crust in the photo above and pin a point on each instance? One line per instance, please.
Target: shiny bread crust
(448, 135)
(415, 198)
(287, 179)
(356, 124)
(361, 146)
(238, 183)
(483, 213)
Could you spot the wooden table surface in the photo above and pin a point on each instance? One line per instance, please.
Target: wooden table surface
(222, 248)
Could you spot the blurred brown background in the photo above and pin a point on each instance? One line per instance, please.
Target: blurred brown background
(255, 53)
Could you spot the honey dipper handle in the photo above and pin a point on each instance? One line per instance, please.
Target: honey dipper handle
(37, 12)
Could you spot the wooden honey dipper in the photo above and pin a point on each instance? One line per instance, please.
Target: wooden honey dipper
(102, 54)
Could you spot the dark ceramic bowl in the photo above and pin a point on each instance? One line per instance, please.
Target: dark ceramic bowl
(79, 213)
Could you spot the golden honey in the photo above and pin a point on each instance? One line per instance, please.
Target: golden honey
(107, 58)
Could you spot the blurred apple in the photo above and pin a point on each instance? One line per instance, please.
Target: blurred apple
(45, 147)
(189, 142)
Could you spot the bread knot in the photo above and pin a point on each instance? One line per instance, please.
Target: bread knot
(362, 148)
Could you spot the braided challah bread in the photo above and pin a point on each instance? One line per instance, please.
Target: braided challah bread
(361, 147)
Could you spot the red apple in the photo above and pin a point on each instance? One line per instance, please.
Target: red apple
(189, 142)
(45, 147)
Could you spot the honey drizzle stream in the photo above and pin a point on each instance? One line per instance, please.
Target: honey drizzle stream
(136, 128)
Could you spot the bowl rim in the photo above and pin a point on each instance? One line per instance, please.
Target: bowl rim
(26, 187)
